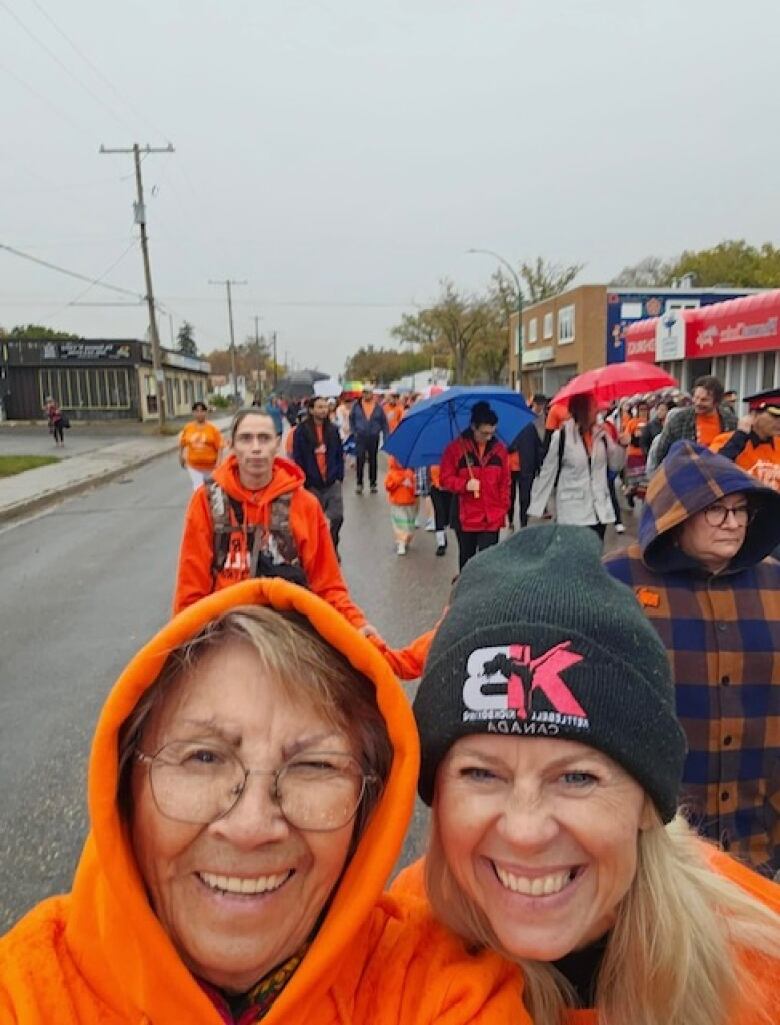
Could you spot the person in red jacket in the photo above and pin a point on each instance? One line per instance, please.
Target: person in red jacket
(475, 467)
(270, 525)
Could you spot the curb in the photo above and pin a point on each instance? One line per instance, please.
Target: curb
(47, 498)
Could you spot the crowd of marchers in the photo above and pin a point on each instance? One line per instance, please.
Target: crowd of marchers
(597, 739)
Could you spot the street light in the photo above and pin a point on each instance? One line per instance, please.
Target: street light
(510, 268)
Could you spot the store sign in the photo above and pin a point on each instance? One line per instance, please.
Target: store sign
(85, 350)
(534, 356)
(642, 349)
(736, 336)
(670, 337)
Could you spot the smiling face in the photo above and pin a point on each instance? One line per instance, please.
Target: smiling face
(703, 400)
(194, 873)
(541, 835)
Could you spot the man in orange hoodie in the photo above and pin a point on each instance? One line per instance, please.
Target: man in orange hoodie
(255, 518)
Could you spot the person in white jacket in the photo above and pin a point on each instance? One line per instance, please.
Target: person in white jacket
(575, 470)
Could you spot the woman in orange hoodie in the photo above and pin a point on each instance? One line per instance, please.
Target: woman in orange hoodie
(251, 780)
(552, 757)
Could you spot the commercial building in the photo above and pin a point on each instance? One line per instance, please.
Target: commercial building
(585, 327)
(95, 379)
(738, 341)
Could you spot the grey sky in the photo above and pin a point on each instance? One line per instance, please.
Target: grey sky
(348, 152)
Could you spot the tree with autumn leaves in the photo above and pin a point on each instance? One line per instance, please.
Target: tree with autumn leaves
(473, 329)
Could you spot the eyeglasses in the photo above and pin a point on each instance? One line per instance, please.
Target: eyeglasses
(717, 515)
(198, 782)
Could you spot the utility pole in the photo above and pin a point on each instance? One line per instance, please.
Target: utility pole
(228, 283)
(140, 220)
(276, 379)
(258, 356)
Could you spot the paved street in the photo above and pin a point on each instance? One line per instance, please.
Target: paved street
(84, 584)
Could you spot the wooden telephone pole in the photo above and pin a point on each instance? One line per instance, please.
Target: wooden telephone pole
(140, 220)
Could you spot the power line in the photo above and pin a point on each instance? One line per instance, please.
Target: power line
(56, 59)
(45, 100)
(90, 64)
(69, 273)
(97, 281)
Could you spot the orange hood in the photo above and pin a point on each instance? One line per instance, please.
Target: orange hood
(114, 937)
(287, 476)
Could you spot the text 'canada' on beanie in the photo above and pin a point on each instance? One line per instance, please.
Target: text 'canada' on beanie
(539, 640)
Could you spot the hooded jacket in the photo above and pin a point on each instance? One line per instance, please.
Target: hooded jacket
(307, 523)
(100, 956)
(722, 633)
(460, 463)
(399, 483)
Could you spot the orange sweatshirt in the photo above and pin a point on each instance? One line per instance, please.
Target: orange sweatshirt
(399, 483)
(307, 523)
(409, 889)
(99, 955)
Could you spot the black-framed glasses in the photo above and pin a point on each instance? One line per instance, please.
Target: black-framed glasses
(200, 781)
(717, 515)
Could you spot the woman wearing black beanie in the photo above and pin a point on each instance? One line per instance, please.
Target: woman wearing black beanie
(552, 759)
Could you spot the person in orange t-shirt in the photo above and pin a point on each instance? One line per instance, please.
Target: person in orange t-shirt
(200, 446)
(394, 411)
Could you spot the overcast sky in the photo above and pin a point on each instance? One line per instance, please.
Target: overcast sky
(342, 155)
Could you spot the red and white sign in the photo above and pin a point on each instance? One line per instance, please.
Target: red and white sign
(751, 324)
(640, 340)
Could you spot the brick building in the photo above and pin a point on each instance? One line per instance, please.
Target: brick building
(584, 328)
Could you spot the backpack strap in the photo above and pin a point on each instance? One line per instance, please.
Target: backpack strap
(561, 446)
(220, 504)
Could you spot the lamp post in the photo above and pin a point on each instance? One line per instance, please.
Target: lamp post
(510, 268)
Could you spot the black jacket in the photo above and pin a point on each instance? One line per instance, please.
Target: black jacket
(530, 447)
(304, 444)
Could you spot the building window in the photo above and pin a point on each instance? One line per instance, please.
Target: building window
(547, 329)
(565, 325)
(532, 331)
(682, 304)
(768, 371)
(90, 388)
(631, 311)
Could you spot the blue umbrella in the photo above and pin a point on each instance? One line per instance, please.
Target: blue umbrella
(430, 425)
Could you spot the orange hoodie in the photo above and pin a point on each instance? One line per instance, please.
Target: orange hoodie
(399, 483)
(307, 523)
(409, 889)
(99, 955)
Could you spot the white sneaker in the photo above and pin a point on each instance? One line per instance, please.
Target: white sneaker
(400, 548)
(620, 528)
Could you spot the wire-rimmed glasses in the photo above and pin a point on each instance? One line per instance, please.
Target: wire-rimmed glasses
(198, 782)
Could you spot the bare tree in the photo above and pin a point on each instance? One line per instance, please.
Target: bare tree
(456, 319)
(652, 272)
(543, 279)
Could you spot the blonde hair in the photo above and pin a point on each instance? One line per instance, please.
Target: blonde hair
(292, 653)
(673, 956)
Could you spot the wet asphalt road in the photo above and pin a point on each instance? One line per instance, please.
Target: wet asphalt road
(83, 586)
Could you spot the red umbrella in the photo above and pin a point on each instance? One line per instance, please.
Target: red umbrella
(616, 381)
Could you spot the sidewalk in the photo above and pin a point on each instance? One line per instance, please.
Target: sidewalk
(34, 489)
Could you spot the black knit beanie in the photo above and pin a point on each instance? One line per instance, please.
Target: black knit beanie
(541, 641)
